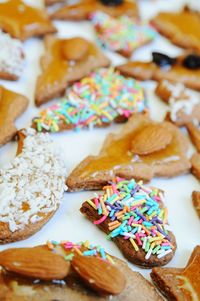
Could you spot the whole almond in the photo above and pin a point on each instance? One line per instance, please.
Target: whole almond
(36, 263)
(75, 49)
(150, 139)
(99, 275)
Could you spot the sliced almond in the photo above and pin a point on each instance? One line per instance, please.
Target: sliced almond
(99, 275)
(75, 49)
(150, 139)
(36, 263)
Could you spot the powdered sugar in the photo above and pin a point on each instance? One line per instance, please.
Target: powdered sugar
(11, 55)
(33, 184)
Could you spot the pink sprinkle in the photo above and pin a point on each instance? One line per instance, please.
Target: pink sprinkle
(101, 220)
(157, 198)
(130, 220)
(165, 244)
(138, 239)
(96, 201)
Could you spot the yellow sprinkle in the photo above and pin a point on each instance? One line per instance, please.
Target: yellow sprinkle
(154, 239)
(78, 251)
(134, 244)
(110, 259)
(86, 244)
(138, 202)
(50, 245)
(91, 204)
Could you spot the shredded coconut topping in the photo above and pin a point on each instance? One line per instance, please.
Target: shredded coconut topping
(33, 184)
(11, 55)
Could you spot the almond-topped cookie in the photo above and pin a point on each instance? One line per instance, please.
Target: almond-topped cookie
(180, 284)
(66, 61)
(11, 57)
(74, 272)
(31, 187)
(135, 218)
(23, 21)
(184, 103)
(122, 35)
(142, 150)
(97, 100)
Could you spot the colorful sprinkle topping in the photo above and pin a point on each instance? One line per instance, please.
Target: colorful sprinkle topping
(122, 34)
(93, 102)
(136, 213)
(81, 248)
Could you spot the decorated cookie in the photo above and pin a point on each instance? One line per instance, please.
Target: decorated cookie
(123, 35)
(133, 216)
(96, 101)
(196, 201)
(11, 57)
(12, 105)
(32, 187)
(194, 133)
(184, 103)
(182, 28)
(195, 162)
(64, 62)
(180, 284)
(83, 9)
(142, 150)
(74, 272)
(184, 69)
(22, 21)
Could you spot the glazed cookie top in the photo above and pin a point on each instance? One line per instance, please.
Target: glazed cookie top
(33, 184)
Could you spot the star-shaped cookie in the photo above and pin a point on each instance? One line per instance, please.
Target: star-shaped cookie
(142, 150)
(83, 9)
(23, 21)
(66, 61)
(180, 284)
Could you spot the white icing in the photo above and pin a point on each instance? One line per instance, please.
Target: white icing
(187, 286)
(11, 55)
(36, 178)
(182, 99)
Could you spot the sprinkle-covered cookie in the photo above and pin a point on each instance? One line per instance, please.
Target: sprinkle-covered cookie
(96, 101)
(135, 217)
(123, 35)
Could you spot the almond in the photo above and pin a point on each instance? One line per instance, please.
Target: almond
(150, 139)
(75, 49)
(99, 275)
(37, 263)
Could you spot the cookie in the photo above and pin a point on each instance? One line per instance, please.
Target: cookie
(122, 35)
(97, 100)
(32, 187)
(66, 61)
(22, 21)
(195, 162)
(52, 2)
(194, 133)
(184, 103)
(180, 283)
(83, 9)
(11, 57)
(196, 201)
(107, 272)
(12, 105)
(164, 155)
(181, 28)
(135, 218)
(184, 69)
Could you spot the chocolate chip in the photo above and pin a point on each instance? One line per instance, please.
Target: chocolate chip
(112, 2)
(163, 60)
(192, 61)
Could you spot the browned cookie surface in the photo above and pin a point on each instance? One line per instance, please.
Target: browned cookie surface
(194, 133)
(196, 201)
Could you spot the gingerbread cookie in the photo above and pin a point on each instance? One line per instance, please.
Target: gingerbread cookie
(182, 28)
(12, 105)
(122, 35)
(64, 62)
(184, 69)
(196, 201)
(32, 187)
(22, 21)
(85, 273)
(11, 57)
(84, 8)
(142, 150)
(194, 133)
(184, 103)
(195, 162)
(96, 101)
(180, 284)
(133, 216)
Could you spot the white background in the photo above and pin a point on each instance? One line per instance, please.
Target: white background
(68, 223)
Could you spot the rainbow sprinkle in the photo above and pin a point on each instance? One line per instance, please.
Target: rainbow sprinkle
(94, 101)
(81, 248)
(122, 34)
(135, 213)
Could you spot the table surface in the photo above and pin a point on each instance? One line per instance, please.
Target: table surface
(68, 223)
